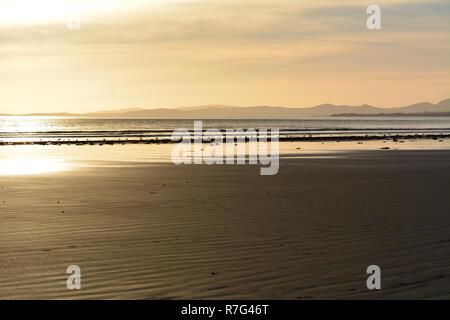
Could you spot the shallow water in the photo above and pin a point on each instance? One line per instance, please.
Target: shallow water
(54, 128)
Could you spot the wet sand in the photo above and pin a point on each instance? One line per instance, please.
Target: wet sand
(158, 231)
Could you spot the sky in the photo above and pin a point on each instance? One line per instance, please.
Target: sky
(176, 53)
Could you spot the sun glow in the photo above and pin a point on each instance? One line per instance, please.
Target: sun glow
(29, 166)
(32, 11)
(50, 11)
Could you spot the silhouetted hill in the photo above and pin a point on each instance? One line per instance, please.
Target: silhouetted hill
(263, 112)
(107, 112)
(61, 114)
(416, 114)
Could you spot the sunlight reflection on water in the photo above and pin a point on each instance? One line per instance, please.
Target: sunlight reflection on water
(29, 166)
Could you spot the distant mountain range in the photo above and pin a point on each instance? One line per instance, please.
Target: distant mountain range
(421, 114)
(264, 112)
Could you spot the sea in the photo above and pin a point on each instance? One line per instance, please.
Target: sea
(70, 128)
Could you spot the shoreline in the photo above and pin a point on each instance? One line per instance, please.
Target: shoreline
(394, 138)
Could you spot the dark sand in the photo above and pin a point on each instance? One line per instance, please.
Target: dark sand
(157, 231)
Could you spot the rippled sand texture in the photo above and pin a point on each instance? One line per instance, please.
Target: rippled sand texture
(200, 232)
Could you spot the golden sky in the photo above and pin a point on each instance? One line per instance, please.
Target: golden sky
(173, 53)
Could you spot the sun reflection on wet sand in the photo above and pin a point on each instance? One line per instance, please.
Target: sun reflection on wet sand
(29, 166)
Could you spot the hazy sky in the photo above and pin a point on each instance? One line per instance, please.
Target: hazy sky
(171, 53)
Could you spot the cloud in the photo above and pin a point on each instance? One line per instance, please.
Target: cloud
(236, 22)
(213, 50)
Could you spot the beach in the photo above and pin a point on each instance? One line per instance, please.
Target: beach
(152, 230)
(245, 152)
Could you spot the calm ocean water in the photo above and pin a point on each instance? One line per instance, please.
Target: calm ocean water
(51, 128)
